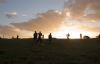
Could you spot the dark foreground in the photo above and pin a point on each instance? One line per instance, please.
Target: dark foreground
(58, 52)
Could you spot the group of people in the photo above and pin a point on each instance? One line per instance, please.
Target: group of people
(68, 36)
(39, 36)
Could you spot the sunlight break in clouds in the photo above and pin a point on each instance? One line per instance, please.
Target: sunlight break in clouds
(49, 21)
(74, 32)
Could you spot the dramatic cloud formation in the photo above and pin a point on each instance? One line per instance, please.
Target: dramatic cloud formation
(9, 32)
(11, 14)
(77, 8)
(83, 14)
(45, 22)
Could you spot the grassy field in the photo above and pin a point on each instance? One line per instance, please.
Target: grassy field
(59, 51)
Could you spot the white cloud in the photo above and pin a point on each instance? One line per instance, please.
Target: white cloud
(77, 8)
(11, 14)
(45, 22)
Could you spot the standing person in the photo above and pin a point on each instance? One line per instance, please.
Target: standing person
(50, 37)
(35, 36)
(40, 37)
(17, 36)
(80, 36)
(98, 36)
(68, 35)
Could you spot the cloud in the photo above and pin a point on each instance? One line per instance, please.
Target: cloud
(78, 7)
(51, 20)
(9, 31)
(91, 29)
(45, 22)
(11, 14)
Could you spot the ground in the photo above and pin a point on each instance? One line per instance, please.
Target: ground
(59, 51)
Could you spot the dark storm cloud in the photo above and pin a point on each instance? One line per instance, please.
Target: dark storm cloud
(45, 22)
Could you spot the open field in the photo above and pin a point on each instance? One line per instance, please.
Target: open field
(59, 51)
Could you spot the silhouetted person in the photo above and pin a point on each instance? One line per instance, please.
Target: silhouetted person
(17, 36)
(40, 37)
(50, 37)
(98, 36)
(68, 35)
(80, 36)
(35, 36)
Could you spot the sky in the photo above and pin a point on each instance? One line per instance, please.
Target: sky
(59, 17)
(25, 9)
